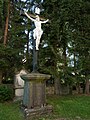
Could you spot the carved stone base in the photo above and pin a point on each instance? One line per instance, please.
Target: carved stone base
(36, 112)
(34, 98)
(34, 90)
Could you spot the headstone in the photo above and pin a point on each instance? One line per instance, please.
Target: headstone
(19, 85)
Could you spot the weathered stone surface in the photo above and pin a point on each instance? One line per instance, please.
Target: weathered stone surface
(19, 85)
(37, 111)
(37, 77)
(34, 90)
(34, 98)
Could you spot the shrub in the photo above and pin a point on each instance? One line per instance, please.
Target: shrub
(6, 93)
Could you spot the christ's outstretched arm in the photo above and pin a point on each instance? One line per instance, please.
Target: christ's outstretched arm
(45, 21)
(29, 17)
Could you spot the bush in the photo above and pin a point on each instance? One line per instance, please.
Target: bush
(6, 93)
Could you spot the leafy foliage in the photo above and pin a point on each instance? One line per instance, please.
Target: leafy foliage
(6, 93)
(65, 44)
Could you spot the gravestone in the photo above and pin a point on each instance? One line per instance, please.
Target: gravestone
(19, 85)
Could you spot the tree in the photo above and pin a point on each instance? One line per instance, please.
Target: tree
(12, 53)
(6, 13)
(68, 22)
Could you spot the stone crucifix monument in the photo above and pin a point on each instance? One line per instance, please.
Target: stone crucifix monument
(37, 32)
(34, 98)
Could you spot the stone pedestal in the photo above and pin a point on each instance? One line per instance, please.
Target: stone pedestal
(34, 98)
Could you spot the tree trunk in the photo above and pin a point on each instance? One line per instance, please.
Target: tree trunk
(70, 89)
(57, 86)
(83, 87)
(78, 88)
(87, 87)
(64, 55)
(6, 24)
(0, 77)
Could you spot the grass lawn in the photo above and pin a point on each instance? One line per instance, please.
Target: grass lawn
(68, 107)
(10, 111)
(71, 107)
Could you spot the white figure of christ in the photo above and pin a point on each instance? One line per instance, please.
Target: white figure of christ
(37, 32)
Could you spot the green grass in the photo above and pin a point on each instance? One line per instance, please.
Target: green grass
(69, 107)
(10, 111)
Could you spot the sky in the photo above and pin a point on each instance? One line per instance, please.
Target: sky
(32, 0)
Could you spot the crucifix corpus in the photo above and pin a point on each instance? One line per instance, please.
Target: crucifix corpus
(37, 32)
